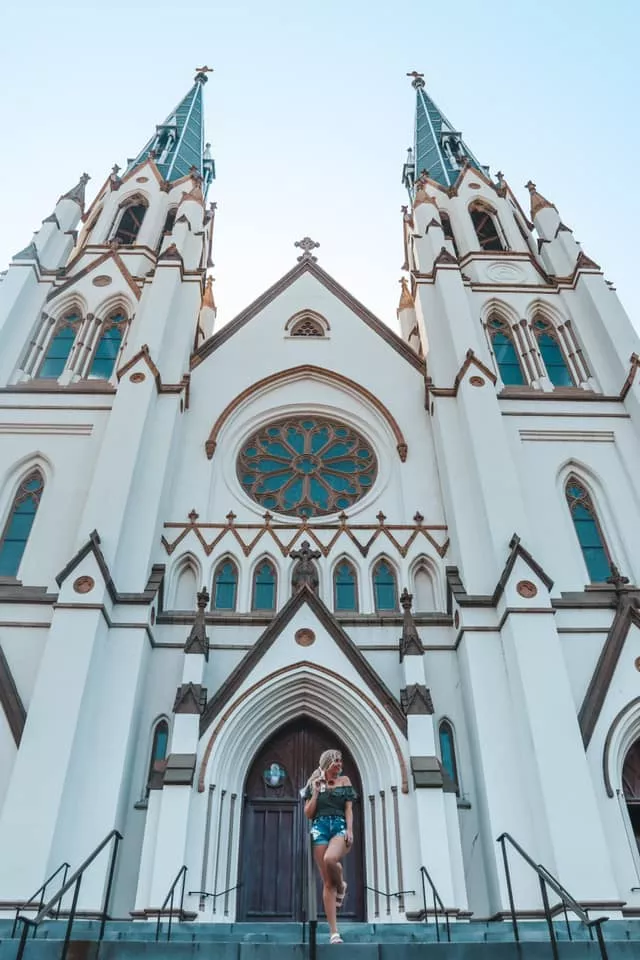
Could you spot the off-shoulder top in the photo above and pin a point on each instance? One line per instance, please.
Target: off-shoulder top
(331, 802)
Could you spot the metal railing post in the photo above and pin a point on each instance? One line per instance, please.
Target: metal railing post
(72, 914)
(107, 893)
(549, 918)
(23, 937)
(512, 906)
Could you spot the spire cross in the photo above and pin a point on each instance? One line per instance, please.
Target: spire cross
(530, 186)
(418, 79)
(306, 245)
(201, 74)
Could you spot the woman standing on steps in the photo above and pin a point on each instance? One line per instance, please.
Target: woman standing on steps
(329, 805)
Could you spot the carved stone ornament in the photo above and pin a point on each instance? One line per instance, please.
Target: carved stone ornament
(410, 642)
(137, 377)
(197, 641)
(527, 589)
(477, 381)
(102, 281)
(305, 572)
(416, 700)
(84, 584)
(307, 245)
(305, 637)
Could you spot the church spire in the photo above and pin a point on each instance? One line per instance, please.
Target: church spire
(178, 145)
(438, 147)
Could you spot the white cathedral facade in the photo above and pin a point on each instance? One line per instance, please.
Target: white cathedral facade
(223, 550)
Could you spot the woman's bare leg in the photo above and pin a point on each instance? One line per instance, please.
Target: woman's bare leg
(328, 889)
(332, 856)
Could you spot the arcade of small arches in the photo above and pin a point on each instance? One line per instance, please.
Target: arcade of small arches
(344, 593)
(536, 351)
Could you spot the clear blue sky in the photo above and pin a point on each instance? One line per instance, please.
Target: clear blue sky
(309, 113)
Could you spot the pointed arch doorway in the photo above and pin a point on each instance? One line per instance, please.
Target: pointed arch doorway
(275, 831)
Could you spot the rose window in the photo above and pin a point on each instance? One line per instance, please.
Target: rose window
(308, 467)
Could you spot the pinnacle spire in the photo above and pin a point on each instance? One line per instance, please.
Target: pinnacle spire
(77, 193)
(178, 146)
(410, 642)
(406, 300)
(538, 202)
(438, 146)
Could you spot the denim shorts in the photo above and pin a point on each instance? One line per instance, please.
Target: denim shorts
(324, 829)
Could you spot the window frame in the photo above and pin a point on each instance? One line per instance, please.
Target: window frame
(542, 326)
(344, 561)
(218, 569)
(264, 561)
(478, 207)
(445, 724)
(103, 327)
(586, 500)
(135, 200)
(377, 607)
(156, 768)
(498, 325)
(21, 495)
(62, 322)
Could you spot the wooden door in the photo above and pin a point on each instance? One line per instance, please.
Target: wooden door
(275, 831)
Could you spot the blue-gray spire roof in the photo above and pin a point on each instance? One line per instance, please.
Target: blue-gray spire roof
(178, 144)
(438, 147)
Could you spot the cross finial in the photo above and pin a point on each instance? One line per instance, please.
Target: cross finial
(616, 579)
(193, 515)
(115, 170)
(201, 73)
(418, 79)
(307, 245)
(531, 187)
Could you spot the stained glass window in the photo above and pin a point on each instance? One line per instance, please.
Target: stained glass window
(264, 587)
(448, 751)
(552, 355)
(225, 586)
(60, 346)
(306, 466)
(108, 347)
(158, 754)
(385, 590)
(585, 521)
(130, 223)
(345, 587)
(486, 230)
(505, 353)
(18, 526)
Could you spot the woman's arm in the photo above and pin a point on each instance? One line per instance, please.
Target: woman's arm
(348, 812)
(311, 803)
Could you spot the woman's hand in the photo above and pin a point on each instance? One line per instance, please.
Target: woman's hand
(349, 838)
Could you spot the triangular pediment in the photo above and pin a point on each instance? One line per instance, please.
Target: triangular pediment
(327, 281)
(304, 624)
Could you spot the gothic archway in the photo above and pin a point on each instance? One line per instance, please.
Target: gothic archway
(274, 831)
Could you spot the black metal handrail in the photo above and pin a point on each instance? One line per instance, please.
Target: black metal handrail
(437, 899)
(74, 881)
(547, 879)
(310, 899)
(39, 895)
(181, 875)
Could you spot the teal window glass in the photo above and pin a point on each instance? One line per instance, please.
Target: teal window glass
(345, 587)
(160, 741)
(506, 355)
(385, 589)
(306, 467)
(130, 223)
(264, 587)
(552, 355)
(225, 586)
(108, 348)
(585, 521)
(60, 347)
(448, 751)
(19, 524)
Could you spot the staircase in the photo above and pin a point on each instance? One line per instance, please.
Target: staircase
(473, 940)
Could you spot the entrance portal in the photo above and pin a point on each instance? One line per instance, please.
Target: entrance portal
(275, 831)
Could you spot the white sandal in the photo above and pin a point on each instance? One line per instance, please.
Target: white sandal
(336, 938)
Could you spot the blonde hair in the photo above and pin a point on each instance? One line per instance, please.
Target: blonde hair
(325, 761)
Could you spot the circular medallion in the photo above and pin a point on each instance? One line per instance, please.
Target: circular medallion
(505, 273)
(306, 466)
(102, 281)
(142, 179)
(527, 589)
(305, 637)
(137, 377)
(84, 584)
(274, 775)
(474, 186)
(476, 381)
(636, 663)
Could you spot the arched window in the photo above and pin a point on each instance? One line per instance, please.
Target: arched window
(264, 587)
(157, 760)
(484, 224)
(552, 355)
(345, 587)
(423, 593)
(225, 586)
(385, 588)
(592, 543)
(104, 359)
(448, 230)
(130, 222)
(18, 526)
(186, 588)
(60, 344)
(448, 752)
(631, 787)
(307, 327)
(168, 225)
(505, 352)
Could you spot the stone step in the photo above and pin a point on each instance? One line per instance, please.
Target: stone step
(137, 950)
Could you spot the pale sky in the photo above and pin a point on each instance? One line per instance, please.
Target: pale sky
(309, 113)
